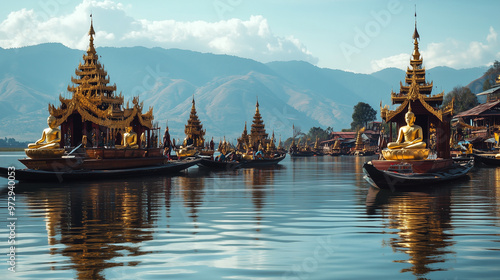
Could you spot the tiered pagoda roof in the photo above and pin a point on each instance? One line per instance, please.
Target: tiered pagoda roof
(416, 73)
(194, 129)
(244, 136)
(95, 100)
(416, 93)
(416, 88)
(258, 132)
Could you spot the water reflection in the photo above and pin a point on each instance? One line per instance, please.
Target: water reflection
(259, 181)
(193, 190)
(422, 221)
(98, 224)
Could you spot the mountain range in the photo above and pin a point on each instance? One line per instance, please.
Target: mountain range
(225, 88)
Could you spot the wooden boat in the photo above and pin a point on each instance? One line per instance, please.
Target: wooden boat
(486, 160)
(408, 162)
(302, 154)
(99, 137)
(402, 176)
(219, 165)
(87, 175)
(262, 162)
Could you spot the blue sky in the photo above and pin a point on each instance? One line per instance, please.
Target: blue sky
(355, 35)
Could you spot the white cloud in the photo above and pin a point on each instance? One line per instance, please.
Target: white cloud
(451, 52)
(397, 61)
(250, 38)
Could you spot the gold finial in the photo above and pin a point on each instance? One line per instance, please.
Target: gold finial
(415, 33)
(91, 31)
(409, 106)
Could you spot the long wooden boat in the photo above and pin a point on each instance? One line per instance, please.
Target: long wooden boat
(262, 162)
(219, 165)
(486, 160)
(403, 177)
(87, 175)
(302, 154)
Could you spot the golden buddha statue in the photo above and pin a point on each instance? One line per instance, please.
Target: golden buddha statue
(51, 136)
(130, 139)
(409, 144)
(49, 145)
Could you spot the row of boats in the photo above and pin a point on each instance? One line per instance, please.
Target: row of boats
(94, 135)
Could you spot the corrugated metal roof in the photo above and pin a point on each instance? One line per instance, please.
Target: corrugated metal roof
(490, 91)
(478, 110)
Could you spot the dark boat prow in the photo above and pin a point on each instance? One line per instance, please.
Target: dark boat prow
(486, 160)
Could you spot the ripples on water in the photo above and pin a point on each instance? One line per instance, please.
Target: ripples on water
(310, 218)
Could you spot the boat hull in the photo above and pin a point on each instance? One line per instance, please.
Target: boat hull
(384, 179)
(262, 162)
(90, 175)
(219, 165)
(489, 161)
(65, 164)
(302, 154)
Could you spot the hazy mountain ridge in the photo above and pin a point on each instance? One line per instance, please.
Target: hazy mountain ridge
(225, 88)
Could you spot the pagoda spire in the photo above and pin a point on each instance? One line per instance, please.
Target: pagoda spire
(91, 34)
(92, 80)
(194, 129)
(258, 132)
(416, 37)
(415, 83)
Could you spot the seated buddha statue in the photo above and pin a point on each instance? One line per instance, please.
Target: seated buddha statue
(130, 139)
(51, 136)
(409, 144)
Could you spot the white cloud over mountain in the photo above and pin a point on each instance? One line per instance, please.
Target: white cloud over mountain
(451, 52)
(252, 38)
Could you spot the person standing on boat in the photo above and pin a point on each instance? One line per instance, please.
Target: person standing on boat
(212, 145)
(167, 143)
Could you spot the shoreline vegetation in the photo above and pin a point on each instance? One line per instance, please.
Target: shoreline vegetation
(12, 149)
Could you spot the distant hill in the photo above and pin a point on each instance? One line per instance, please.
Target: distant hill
(225, 88)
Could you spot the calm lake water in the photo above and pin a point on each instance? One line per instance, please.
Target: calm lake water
(308, 218)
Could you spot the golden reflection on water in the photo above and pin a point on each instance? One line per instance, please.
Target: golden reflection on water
(258, 181)
(193, 191)
(422, 221)
(98, 224)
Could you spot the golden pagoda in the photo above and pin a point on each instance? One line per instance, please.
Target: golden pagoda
(258, 135)
(243, 140)
(94, 111)
(417, 73)
(194, 130)
(359, 145)
(415, 96)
